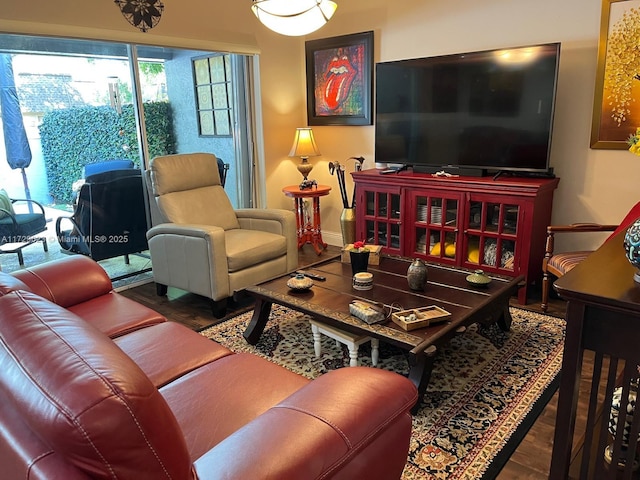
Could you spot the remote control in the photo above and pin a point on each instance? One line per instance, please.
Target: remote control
(387, 171)
(312, 275)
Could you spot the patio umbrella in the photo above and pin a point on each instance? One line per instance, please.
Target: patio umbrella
(15, 135)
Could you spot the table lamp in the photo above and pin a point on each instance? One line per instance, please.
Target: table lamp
(304, 146)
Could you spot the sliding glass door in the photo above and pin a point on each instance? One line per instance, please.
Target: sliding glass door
(87, 102)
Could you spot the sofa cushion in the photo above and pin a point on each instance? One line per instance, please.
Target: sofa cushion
(115, 315)
(9, 283)
(151, 347)
(217, 399)
(246, 248)
(83, 396)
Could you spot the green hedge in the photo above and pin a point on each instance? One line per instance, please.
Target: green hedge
(74, 137)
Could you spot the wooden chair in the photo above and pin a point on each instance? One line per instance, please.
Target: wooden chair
(557, 264)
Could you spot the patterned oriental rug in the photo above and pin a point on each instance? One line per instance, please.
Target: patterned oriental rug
(486, 390)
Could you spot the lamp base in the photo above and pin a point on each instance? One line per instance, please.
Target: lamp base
(304, 167)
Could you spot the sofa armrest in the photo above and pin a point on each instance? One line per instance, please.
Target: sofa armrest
(67, 282)
(273, 220)
(348, 423)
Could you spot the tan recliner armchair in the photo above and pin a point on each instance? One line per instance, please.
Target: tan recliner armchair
(206, 247)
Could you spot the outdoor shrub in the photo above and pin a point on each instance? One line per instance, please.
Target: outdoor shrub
(74, 137)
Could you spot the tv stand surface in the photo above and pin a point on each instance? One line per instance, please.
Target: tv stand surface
(450, 170)
(408, 213)
(548, 174)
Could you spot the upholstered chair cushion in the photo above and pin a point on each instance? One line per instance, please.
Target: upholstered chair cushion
(189, 191)
(252, 247)
(5, 204)
(563, 262)
(203, 206)
(180, 172)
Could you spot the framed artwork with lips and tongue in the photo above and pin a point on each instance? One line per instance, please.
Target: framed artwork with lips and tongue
(339, 80)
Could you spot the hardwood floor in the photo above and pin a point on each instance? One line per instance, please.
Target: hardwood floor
(530, 461)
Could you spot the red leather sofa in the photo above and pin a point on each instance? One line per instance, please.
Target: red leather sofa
(95, 385)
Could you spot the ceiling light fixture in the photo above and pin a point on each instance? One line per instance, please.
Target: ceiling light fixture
(293, 17)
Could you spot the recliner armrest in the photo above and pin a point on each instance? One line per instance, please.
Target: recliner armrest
(320, 429)
(190, 230)
(273, 220)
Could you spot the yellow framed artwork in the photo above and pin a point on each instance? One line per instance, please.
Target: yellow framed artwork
(616, 106)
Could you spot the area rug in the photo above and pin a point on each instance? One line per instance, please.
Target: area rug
(487, 387)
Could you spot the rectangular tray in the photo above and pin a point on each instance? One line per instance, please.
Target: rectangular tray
(425, 316)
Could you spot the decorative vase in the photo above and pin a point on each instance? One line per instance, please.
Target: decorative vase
(624, 421)
(632, 247)
(300, 282)
(348, 225)
(359, 261)
(417, 275)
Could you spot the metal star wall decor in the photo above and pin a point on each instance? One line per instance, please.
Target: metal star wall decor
(143, 14)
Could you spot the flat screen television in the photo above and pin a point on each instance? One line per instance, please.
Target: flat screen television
(472, 114)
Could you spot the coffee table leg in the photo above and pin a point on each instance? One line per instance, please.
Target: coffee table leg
(258, 321)
(504, 322)
(420, 368)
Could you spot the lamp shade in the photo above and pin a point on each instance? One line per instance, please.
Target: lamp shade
(293, 17)
(304, 145)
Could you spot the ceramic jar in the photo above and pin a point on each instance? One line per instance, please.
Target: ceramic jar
(616, 420)
(363, 281)
(478, 278)
(300, 282)
(417, 275)
(632, 247)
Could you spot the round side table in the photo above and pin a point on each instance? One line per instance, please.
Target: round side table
(308, 230)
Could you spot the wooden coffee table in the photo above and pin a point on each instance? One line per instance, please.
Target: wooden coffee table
(328, 302)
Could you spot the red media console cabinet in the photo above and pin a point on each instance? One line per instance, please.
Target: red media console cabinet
(498, 225)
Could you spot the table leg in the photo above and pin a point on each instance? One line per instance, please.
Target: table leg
(317, 341)
(300, 223)
(258, 321)
(504, 321)
(568, 393)
(420, 368)
(375, 351)
(316, 233)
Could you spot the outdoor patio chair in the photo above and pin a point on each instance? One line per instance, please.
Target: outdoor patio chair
(91, 169)
(19, 229)
(109, 218)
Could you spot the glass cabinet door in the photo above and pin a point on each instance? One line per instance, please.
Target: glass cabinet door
(434, 221)
(492, 230)
(382, 219)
